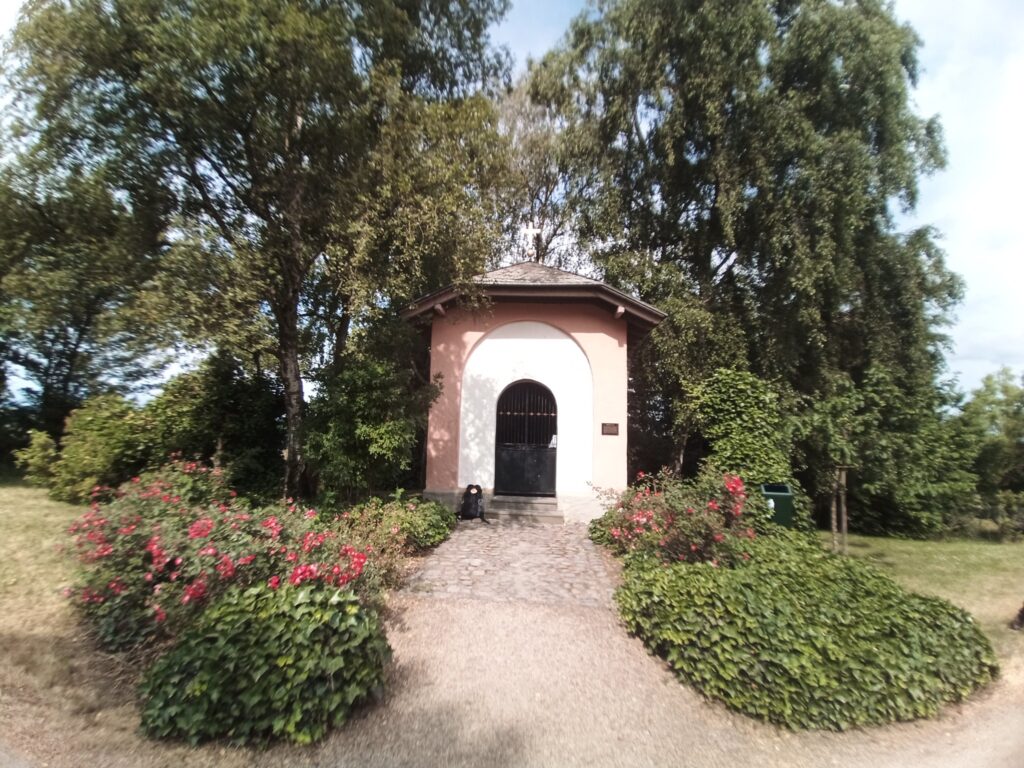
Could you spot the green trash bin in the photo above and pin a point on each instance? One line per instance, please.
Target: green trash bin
(780, 499)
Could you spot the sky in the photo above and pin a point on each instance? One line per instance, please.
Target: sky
(972, 77)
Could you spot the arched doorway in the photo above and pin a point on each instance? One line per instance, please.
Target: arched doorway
(525, 449)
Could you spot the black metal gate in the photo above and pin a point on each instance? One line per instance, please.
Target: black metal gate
(524, 456)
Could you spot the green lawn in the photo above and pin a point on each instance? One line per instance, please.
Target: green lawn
(986, 578)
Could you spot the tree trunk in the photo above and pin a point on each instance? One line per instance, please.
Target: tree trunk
(291, 378)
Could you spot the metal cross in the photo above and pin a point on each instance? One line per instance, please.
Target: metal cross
(532, 232)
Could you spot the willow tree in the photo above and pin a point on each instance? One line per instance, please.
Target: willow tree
(260, 118)
(745, 163)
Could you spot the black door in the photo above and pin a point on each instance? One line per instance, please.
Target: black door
(524, 456)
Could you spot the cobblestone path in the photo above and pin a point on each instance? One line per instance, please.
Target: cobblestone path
(515, 560)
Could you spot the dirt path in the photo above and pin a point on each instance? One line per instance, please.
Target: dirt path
(491, 672)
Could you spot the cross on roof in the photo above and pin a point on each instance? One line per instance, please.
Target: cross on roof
(532, 232)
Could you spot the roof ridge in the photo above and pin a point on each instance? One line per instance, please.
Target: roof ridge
(527, 272)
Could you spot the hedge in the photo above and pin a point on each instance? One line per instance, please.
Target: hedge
(805, 639)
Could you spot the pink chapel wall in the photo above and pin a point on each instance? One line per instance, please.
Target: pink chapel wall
(600, 336)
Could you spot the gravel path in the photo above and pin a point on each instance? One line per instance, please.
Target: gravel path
(509, 653)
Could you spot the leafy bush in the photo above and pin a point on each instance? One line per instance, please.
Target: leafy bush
(170, 541)
(219, 412)
(806, 639)
(742, 418)
(264, 664)
(1006, 510)
(422, 524)
(363, 424)
(37, 459)
(390, 531)
(103, 444)
(709, 519)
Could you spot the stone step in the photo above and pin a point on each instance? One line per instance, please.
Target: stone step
(540, 509)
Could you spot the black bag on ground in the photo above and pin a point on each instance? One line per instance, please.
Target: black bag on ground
(472, 504)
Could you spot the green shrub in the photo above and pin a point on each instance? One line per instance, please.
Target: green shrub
(417, 523)
(390, 531)
(1006, 510)
(425, 523)
(741, 416)
(363, 423)
(37, 459)
(264, 664)
(221, 412)
(806, 639)
(104, 443)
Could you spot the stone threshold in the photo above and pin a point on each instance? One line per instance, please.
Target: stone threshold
(541, 509)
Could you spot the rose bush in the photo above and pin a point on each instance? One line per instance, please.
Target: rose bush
(268, 612)
(708, 520)
(162, 547)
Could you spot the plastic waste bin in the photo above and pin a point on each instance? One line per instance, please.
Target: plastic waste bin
(780, 500)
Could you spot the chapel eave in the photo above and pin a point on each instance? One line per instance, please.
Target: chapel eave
(529, 282)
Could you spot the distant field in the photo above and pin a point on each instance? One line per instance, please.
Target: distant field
(986, 578)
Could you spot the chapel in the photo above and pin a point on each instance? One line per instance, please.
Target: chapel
(534, 384)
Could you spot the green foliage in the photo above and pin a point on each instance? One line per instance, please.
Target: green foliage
(159, 550)
(707, 519)
(102, 445)
(363, 424)
(423, 524)
(741, 415)
(735, 164)
(913, 475)
(539, 191)
(1006, 510)
(37, 459)
(220, 412)
(73, 260)
(215, 413)
(264, 665)
(994, 416)
(298, 146)
(805, 639)
(16, 422)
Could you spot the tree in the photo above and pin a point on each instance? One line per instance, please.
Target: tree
(994, 416)
(741, 161)
(223, 414)
(261, 121)
(74, 258)
(540, 184)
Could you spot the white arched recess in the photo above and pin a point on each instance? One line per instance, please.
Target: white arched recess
(537, 351)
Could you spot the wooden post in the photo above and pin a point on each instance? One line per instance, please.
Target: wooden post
(835, 527)
(842, 509)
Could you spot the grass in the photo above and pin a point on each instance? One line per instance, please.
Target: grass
(986, 578)
(50, 674)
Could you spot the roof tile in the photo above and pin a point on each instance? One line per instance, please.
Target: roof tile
(532, 273)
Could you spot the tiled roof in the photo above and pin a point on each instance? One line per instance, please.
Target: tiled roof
(529, 281)
(532, 273)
